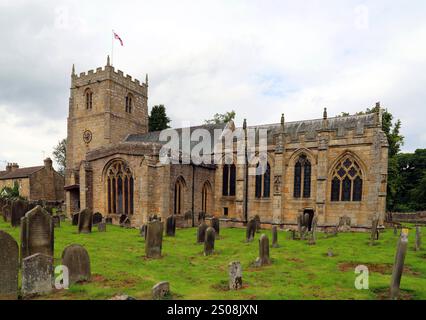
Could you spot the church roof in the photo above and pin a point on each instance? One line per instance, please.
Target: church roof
(19, 173)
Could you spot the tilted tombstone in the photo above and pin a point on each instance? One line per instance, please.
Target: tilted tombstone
(374, 232)
(398, 266)
(235, 275)
(201, 232)
(263, 258)
(300, 226)
(418, 242)
(9, 267)
(215, 224)
(101, 227)
(37, 233)
(209, 241)
(75, 219)
(250, 230)
(37, 274)
(306, 221)
(85, 219)
(171, 226)
(160, 290)
(56, 220)
(19, 209)
(154, 239)
(314, 225)
(97, 218)
(77, 260)
(274, 237)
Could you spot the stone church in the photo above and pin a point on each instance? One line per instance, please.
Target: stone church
(328, 167)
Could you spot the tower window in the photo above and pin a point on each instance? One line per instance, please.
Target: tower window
(346, 183)
(129, 103)
(89, 99)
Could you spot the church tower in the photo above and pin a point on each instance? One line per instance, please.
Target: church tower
(104, 107)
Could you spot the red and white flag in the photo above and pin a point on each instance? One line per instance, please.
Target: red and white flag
(116, 36)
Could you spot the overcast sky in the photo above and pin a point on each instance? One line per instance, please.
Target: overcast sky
(259, 58)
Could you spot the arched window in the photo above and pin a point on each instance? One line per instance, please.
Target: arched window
(205, 201)
(302, 177)
(346, 184)
(179, 196)
(229, 175)
(129, 103)
(89, 99)
(120, 188)
(263, 181)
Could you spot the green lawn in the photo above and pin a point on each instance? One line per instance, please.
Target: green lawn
(298, 270)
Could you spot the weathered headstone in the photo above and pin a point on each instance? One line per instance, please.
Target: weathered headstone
(160, 290)
(56, 220)
(215, 224)
(9, 267)
(263, 258)
(293, 234)
(97, 218)
(300, 226)
(19, 208)
(395, 230)
(75, 219)
(77, 260)
(143, 230)
(201, 216)
(102, 227)
(201, 232)
(7, 211)
(274, 237)
(209, 241)
(398, 266)
(235, 275)
(374, 232)
(154, 239)
(171, 226)
(258, 225)
(37, 233)
(85, 221)
(313, 238)
(37, 274)
(418, 243)
(250, 230)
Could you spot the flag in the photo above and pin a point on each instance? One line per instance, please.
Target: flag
(116, 36)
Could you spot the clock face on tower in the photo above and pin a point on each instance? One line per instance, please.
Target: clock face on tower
(87, 136)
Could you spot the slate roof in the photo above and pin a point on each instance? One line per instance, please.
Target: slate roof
(19, 173)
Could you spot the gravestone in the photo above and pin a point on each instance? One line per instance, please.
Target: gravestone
(263, 258)
(102, 227)
(201, 232)
(215, 224)
(56, 220)
(201, 216)
(257, 219)
(300, 226)
(293, 234)
(154, 239)
(75, 219)
(85, 219)
(235, 275)
(19, 209)
(171, 226)
(77, 260)
(313, 238)
(37, 274)
(398, 266)
(97, 218)
(395, 230)
(374, 232)
(143, 230)
(418, 242)
(250, 230)
(122, 218)
(330, 252)
(160, 290)
(275, 237)
(209, 241)
(9, 267)
(37, 233)
(7, 211)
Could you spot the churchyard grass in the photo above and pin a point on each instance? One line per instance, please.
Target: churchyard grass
(298, 270)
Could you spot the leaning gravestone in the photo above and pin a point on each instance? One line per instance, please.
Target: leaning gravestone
(160, 290)
(313, 238)
(398, 266)
(19, 208)
(37, 274)
(37, 233)
(300, 226)
(171, 226)
(97, 218)
(9, 267)
(263, 258)
(209, 241)
(154, 239)
(102, 227)
(235, 275)
(75, 219)
(201, 232)
(77, 260)
(215, 224)
(250, 230)
(274, 237)
(374, 232)
(85, 219)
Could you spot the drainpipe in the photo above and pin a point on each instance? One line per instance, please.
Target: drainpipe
(193, 195)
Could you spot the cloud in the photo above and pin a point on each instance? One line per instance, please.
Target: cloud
(259, 58)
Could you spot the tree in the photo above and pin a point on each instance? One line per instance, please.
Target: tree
(60, 155)
(221, 118)
(158, 119)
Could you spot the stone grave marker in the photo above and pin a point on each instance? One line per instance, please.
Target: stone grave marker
(250, 230)
(76, 258)
(85, 220)
(275, 237)
(171, 226)
(235, 275)
(215, 224)
(97, 218)
(75, 219)
(398, 266)
(37, 274)
(418, 242)
(209, 241)
(201, 232)
(9, 267)
(160, 290)
(154, 239)
(102, 227)
(263, 258)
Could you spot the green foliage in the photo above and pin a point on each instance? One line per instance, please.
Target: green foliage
(221, 118)
(10, 193)
(60, 155)
(158, 119)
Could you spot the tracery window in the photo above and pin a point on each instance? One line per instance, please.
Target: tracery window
(347, 182)
(263, 181)
(129, 103)
(302, 177)
(179, 196)
(89, 99)
(229, 175)
(120, 188)
(205, 197)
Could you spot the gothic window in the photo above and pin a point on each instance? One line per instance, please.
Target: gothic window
(263, 181)
(129, 103)
(89, 99)
(346, 184)
(229, 175)
(302, 178)
(178, 197)
(205, 197)
(120, 188)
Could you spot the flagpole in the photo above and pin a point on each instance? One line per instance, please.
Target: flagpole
(112, 48)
